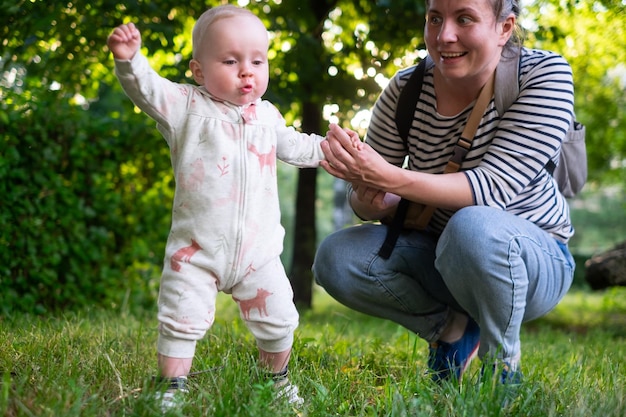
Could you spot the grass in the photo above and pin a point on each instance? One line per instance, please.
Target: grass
(100, 363)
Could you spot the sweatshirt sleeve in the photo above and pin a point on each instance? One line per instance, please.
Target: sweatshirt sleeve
(296, 148)
(162, 100)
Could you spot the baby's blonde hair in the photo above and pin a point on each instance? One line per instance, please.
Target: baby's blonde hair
(211, 16)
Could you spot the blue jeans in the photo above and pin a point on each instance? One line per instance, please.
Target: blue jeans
(498, 268)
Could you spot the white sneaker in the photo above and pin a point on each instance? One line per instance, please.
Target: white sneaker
(289, 392)
(173, 397)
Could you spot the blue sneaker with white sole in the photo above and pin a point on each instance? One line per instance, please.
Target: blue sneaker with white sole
(450, 360)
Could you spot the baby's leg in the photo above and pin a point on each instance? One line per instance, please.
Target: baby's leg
(266, 305)
(173, 367)
(186, 312)
(274, 362)
(277, 363)
(265, 300)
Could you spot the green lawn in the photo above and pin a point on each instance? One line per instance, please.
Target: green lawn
(346, 364)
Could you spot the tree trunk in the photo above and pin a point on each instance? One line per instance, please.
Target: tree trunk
(304, 241)
(305, 230)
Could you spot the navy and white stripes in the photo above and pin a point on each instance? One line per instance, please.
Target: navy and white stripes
(505, 166)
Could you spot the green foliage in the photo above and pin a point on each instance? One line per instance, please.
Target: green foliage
(331, 52)
(579, 31)
(599, 217)
(81, 199)
(86, 179)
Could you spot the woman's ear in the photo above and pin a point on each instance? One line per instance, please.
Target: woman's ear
(196, 71)
(508, 26)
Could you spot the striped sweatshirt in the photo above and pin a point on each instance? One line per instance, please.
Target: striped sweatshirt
(505, 166)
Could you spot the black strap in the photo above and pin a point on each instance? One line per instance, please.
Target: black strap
(405, 110)
(394, 229)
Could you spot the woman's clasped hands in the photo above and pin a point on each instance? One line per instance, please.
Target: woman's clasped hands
(354, 161)
(350, 159)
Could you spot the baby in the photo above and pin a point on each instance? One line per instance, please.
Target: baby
(226, 234)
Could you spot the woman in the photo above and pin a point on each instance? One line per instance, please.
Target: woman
(495, 252)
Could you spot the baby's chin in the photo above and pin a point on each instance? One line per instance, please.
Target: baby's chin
(236, 100)
(243, 100)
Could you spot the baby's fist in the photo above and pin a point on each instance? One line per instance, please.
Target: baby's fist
(124, 41)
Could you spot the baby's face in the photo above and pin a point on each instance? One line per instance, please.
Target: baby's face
(232, 61)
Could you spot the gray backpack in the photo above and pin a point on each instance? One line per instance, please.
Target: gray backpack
(570, 172)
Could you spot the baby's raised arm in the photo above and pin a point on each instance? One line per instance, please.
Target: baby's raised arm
(124, 41)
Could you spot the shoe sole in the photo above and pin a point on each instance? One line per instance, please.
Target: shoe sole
(469, 359)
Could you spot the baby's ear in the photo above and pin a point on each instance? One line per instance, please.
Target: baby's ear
(196, 71)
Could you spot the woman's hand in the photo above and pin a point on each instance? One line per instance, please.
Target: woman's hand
(372, 203)
(351, 160)
(378, 183)
(356, 162)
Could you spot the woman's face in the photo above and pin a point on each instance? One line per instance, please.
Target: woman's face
(464, 39)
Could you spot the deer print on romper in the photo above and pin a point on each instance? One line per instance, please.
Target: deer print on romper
(257, 302)
(265, 159)
(194, 181)
(184, 255)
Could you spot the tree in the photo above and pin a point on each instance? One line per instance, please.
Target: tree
(86, 180)
(580, 31)
(334, 46)
(97, 204)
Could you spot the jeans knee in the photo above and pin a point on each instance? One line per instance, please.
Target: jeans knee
(466, 238)
(326, 261)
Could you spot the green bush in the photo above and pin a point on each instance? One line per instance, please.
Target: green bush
(85, 204)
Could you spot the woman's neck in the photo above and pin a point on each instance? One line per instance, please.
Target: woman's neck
(453, 96)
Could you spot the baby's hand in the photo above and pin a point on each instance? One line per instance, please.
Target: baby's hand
(355, 139)
(124, 41)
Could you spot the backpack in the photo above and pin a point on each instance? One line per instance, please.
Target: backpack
(570, 172)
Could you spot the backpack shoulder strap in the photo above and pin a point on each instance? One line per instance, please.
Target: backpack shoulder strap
(505, 90)
(405, 107)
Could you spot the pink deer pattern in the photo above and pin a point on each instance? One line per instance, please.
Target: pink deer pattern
(265, 159)
(258, 302)
(195, 179)
(183, 255)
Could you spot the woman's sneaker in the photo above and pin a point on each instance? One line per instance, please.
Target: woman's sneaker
(450, 360)
(510, 375)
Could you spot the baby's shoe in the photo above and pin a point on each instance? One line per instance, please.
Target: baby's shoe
(285, 389)
(174, 394)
